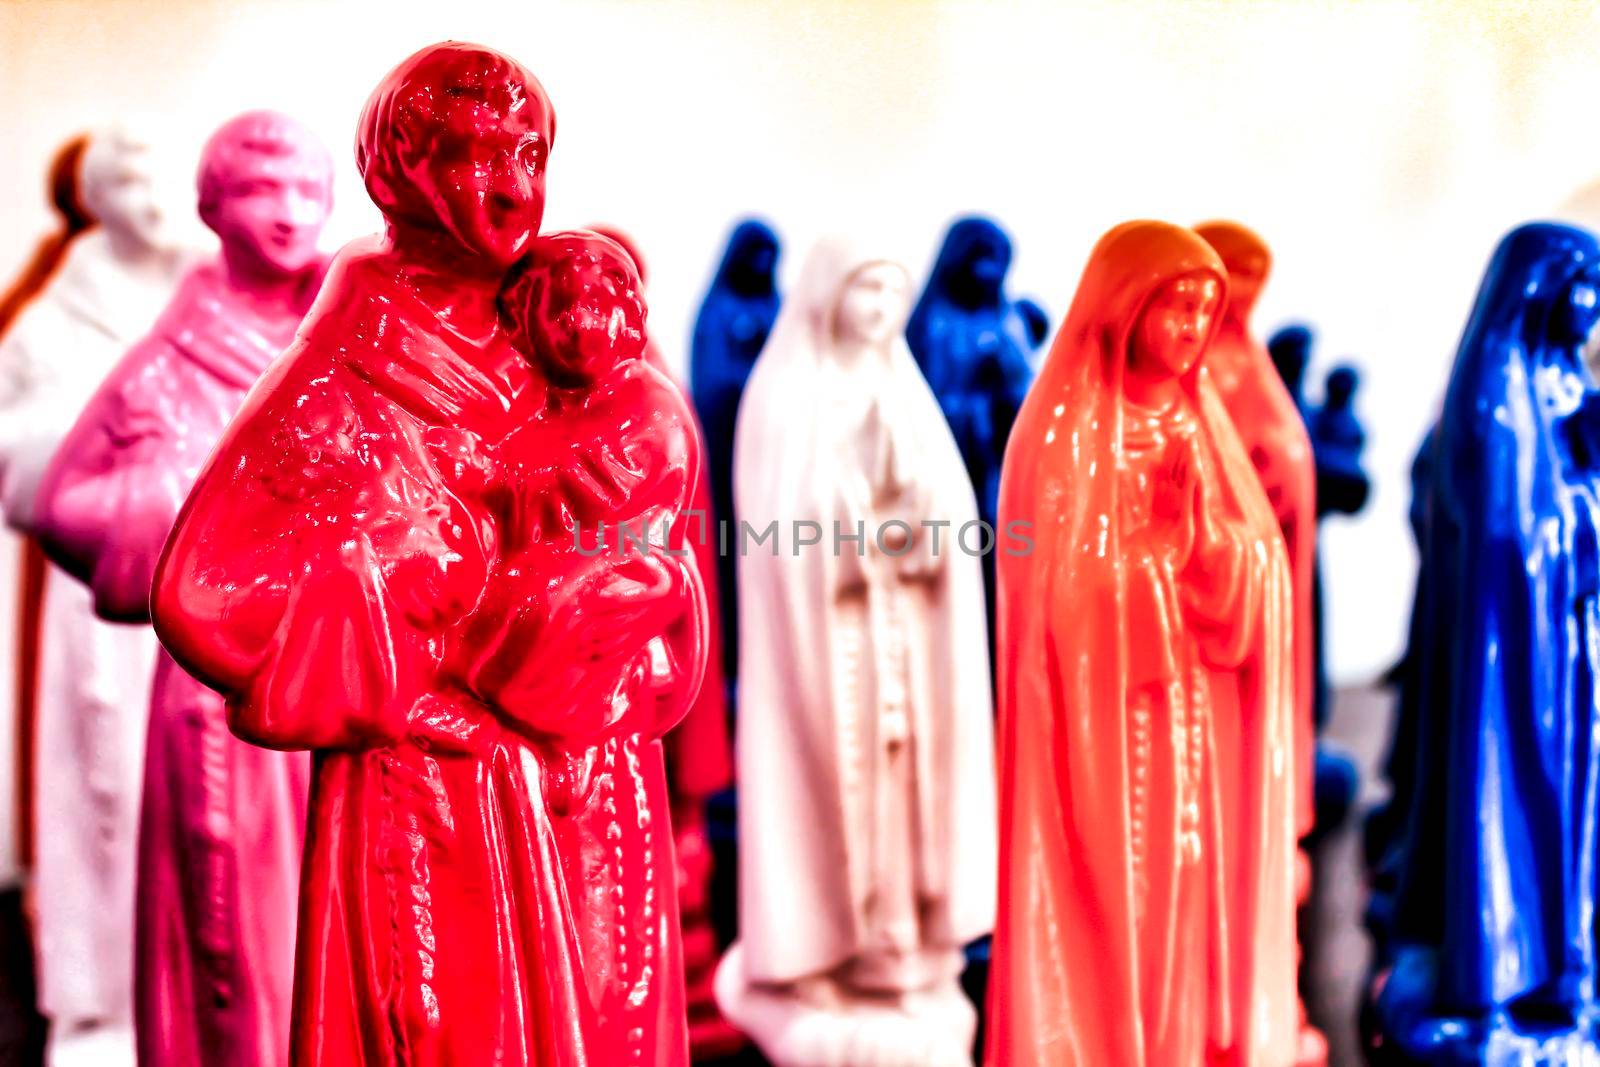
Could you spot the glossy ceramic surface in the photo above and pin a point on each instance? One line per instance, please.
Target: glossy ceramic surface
(222, 823)
(489, 869)
(1147, 704)
(1491, 958)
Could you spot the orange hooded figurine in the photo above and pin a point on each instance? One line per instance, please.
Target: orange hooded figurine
(1275, 438)
(1146, 696)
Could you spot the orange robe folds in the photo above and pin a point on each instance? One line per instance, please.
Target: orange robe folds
(1146, 712)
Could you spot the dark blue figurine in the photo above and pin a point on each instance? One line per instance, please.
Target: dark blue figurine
(1387, 821)
(975, 346)
(1492, 955)
(1337, 443)
(733, 324)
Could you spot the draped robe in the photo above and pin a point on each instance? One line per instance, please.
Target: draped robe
(1147, 786)
(93, 677)
(1492, 955)
(222, 823)
(488, 873)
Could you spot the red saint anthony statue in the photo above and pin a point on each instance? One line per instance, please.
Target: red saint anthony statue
(371, 567)
(1146, 696)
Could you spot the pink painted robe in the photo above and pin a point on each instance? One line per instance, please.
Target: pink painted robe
(223, 821)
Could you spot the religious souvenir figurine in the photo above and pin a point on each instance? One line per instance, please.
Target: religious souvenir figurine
(699, 757)
(67, 199)
(223, 822)
(22, 1029)
(93, 678)
(972, 343)
(865, 740)
(1147, 704)
(1383, 834)
(1269, 425)
(729, 332)
(1492, 959)
(1342, 487)
(489, 871)
(1033, 322)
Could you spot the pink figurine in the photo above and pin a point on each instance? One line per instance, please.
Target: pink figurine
(368, 567)
(223, 822)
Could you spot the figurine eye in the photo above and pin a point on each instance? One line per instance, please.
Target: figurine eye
(531, 154)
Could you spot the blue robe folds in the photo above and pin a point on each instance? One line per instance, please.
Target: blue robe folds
(1492, 952)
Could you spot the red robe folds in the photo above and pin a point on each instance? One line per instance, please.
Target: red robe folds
(489, 871)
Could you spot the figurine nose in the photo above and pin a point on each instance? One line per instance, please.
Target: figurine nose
(299, 211)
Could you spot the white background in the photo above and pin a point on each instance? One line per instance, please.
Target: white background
(1381, 148)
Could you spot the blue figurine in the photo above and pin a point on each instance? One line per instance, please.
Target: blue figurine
(1032, 327)
(729, 331)
(1337, 443)
(975, 346)
(1492, 956)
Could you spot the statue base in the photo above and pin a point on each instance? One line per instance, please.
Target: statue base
(817, 1024)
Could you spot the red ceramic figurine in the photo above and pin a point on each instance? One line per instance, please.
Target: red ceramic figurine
(371, 566)
(1274, 436)
(699, 758)
(222, 823)
(1146, 696)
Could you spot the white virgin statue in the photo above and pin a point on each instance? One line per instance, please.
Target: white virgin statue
(94, 676)
(865, 740)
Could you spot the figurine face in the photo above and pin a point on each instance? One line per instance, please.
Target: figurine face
(119, 187)
(266, 187)
(576, 308)
(1173, 328)
(873, 304)
(491, 188)
(456, 138)
(1577, 311)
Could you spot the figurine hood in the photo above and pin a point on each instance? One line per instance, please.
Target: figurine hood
(1238, 245)
(66, 185)
(1527, 289)
(742, 269)
(1126, 267)
(968, 240)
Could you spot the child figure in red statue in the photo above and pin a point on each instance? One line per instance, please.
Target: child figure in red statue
(488, 872)
(1146, 702)
(699, 754)
(1274, 436)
